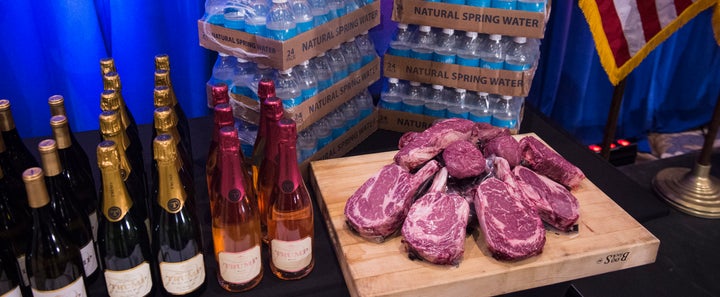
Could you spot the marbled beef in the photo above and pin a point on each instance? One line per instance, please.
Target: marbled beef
(434, 229)
(487, 132)
(553, 202)
(463, 159)
(504, 146)
(543, 160)
(427, 144)
(377, 209)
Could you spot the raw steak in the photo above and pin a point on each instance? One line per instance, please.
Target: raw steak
(377, 209)
(504, 146)
(463, 159)
(434, 229)
(487, 132)
(427, 144)
(406, 138)
(512, 230)
(545, 161)
(553, 202)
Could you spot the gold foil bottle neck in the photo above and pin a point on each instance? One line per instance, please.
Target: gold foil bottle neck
(161, 95)
(109, 100)
(164, 148)
(49, 157)
(110, 122)
(6, 119)
(61, 132)
(164, 118)
(107, 65)
(57, 105)
(35, 187)
(162, 61)
(162, 78)
(116, 199)
(107, 154)
(111, 81)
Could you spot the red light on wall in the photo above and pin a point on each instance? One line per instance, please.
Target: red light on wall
(623, 142)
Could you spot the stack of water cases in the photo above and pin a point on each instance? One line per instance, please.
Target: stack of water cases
(327, 62)
(469, 59)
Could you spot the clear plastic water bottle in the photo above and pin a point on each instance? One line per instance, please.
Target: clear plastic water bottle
(366, 47)
(338, 64)
(322, 132)
(520, 55)
(468, 52)
(423, 44)
(337, 8)
(308, 81)
(392, 96)
(288, 89)
(504, 4)
(336, 119)
(351, 113)
(364, 102)
(256, 17)
(436, 105)
(320, 11)
(303, 16)
(415, 98)
(459, 2)
(214, 12)
(481, 108)
(457, 106)
(306, 144)
(352, 5)
(400, 43)
(446, 47)
(323, 71)
(247, 133)
(224, 68)
(281, 21)
(478, 3)
(531, 5)
(263, 71)
(352, 55)
(243, 74)
(504, 113)
(234, 15)
(492, 53)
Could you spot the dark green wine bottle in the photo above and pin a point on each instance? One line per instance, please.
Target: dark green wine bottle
(10, 282)
(19, 155)
(15, 221)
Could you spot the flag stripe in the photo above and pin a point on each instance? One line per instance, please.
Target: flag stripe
(649, 18)
(681, 5)
(613, 30)
(631, 25)
(666, 12)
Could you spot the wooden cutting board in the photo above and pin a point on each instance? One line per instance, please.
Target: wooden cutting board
(608, 240)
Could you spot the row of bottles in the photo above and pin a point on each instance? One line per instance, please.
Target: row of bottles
(300, 83)
(439, 101)
(525, 5)
(277, 19)
(472, 49)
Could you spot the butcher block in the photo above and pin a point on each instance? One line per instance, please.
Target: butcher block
(608, 239)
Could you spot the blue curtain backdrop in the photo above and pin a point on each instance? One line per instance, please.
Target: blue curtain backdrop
(54, 47)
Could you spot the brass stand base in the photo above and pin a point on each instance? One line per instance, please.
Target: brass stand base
(693, 192)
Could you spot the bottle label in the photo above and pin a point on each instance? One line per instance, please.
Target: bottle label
(183, 277)
(75, 289)
(15, 292)
(240, 268)
(291, 256)
(90, 261)
(23, 270)
(93, 216)
(132, 282)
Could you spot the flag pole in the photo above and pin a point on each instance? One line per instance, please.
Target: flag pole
(695, 191)
(611, 124)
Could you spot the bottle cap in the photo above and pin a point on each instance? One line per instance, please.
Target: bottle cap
(520, 39)
(365, 32)
(274, 108)
(35, 187)
(424, 29)
(223, 115)
(321, 54)
(110, 122)
(162, 61)
(49, 157)
(351, 39)
(495, 37)
(109, 100)
(286, 71)
(164, 148)
(279, 1)
(471, 34)
(305, 63)
(482, 94)
(266, 88)
(437, 87)
(6, 120)
(448, 31)
(460, 90)
(241, 60)
(414, 83)
(57, 105)
(60, 130)
(229, 140)
(161, 96)
(506, 97)
(223, 54)
(107, 65)
(393, 80)
(219, 93)
(262, 66)
(111, 81)
(402, 25)
(336, 47)
(164, 118)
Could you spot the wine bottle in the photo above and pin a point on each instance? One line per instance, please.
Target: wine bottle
(15, 220)
(54, 261)
(107, 65)
(111, 81)
(219, 93)
(266, 87)
(57, 108)
(164, 96)
(13, 179)
(177, 238)
(290, 213)
(19, 155)
(222, 117)
(268, 170)
(123, 242)
(165, 122)
(111, 129)
(133, 147)
(76, 168)
(235, 220)
(10, 282)
(162, 78)
(162, 62)
(66, 208)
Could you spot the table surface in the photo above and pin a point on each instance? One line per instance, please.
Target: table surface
(687, 264)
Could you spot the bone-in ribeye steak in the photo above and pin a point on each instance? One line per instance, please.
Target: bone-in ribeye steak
(425, 145)
(545, 161)
(554, 203)
(434, 229)
(377, 209)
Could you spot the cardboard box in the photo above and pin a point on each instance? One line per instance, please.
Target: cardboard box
(319, 105)
(503, 82)
(283, 55)
(400, 121)
(470, 18)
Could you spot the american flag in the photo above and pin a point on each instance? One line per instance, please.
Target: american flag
(626, 31)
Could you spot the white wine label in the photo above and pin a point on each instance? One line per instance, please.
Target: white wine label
(23, 270)
(90, 261)
(291, 256)
(183, 277)
(94, 224)
(15, 292)
(74, 289)
(241, 267)
(132, 282)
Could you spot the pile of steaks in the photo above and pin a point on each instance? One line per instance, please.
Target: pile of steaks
(476, 173)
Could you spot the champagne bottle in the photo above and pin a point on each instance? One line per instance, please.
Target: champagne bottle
(54, 261)
(111, 129)
(177, 238)
(165, 123)
(222, 117)
(290, 213)
(133, 147)
(162, 62)
(111, 81)
(10, 282)
(15, 221)
(219, 94)
(235, 220)
(65, 206)
(123, 242)
(162, 78)
(107, 65)
(19, 155)
(76, 167)
(163, 96)
(268, 170)
(266, 87)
